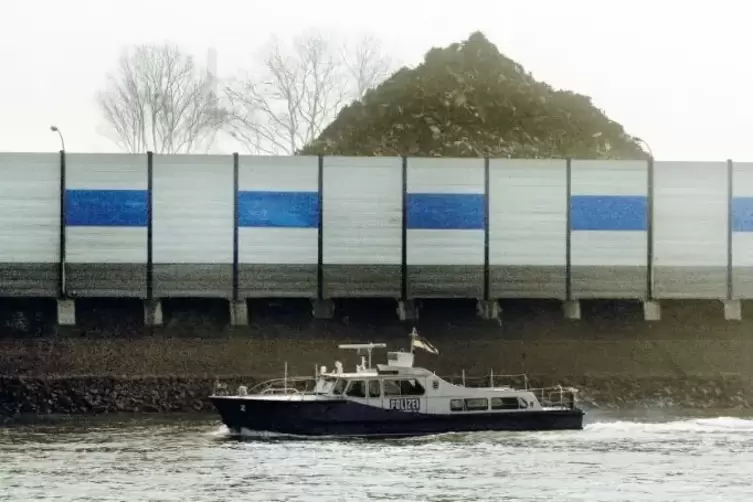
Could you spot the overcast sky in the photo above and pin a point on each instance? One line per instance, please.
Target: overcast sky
(677, 74)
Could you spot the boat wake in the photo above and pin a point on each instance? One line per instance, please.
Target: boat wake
(701, 425)
(613, 429)
(223, 432)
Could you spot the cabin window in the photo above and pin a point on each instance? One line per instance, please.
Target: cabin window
(357, 388)
(324, 386)
(456, 405)
(406, 387)
(339, 387)
(505, 403)
(476, 404)
(435, 384)
(411, 388)
(374, 389)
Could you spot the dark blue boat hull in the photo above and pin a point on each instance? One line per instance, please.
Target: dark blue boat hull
(351, 419)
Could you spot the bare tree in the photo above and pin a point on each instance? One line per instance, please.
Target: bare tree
(366, 64)
(159, 100)
(300, 90)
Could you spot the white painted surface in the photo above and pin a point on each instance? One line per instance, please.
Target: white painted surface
(85, 171)
(445, 247)
(449, 176)
(278, 246)
(609, 177)
(445, 175)
(690, 214)
(742, 176)
(609, 248)
(363, 210)
(742, 242)
(527, 212)
(742, 249)
(106, 245)
(193, 209)
(97, 171)
(29, 207)
(278, 174)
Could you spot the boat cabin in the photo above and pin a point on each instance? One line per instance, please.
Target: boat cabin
(398, 385)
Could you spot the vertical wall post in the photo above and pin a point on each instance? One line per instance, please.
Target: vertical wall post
(320, 234)
(62, 289)
(650, 230)
(404, 236)
(569, 232)
(486, 230)
(150, 227)
(236, 217)
(730, 227)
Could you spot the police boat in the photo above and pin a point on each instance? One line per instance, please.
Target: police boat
(394, 399)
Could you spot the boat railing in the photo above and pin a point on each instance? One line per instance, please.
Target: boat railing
(516, 380)
(286, 385)
(555, 396)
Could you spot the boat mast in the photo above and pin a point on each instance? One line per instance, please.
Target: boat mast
(368, 347)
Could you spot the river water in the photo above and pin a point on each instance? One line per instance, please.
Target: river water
(617, 457)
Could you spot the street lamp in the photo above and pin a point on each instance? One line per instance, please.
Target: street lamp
(62, 141)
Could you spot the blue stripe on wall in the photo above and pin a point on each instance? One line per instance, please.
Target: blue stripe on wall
(742, 214)
(609, 212)
(440, 211)
(106, 208)
(278, 209)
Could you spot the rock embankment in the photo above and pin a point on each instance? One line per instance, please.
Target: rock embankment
(109, 394)
(184, 394)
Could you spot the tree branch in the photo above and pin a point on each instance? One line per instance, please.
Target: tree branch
(159, 100)
(299, 90)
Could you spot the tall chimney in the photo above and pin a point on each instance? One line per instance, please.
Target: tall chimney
(212, 69)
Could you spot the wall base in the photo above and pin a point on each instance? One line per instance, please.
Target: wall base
(651, 311)
(407, 310)
(733, 310)
(488, 309)
(571, 309)
(239, 313)
(153, 313)
(323, 309)
(66, 312)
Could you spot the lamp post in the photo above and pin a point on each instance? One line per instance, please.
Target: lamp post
(62, 291)
(62, 141)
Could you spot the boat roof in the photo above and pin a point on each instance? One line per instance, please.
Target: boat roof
(398, 362)
(381, 370)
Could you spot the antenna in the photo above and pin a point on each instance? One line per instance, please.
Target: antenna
(368, 347)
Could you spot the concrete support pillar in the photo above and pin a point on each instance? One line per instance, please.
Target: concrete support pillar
(571, 309)
(488, 309)
(323, 309)
(66, 312)
(238, 313)
(407, 310)
(733, 310)
(651, 311)
(153, 313)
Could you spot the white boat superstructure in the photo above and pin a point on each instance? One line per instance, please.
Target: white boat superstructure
(398, 385)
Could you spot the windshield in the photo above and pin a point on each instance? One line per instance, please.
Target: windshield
(324, 385)
(339, 387)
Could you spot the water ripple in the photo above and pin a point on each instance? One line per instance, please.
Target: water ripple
(612, 459)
